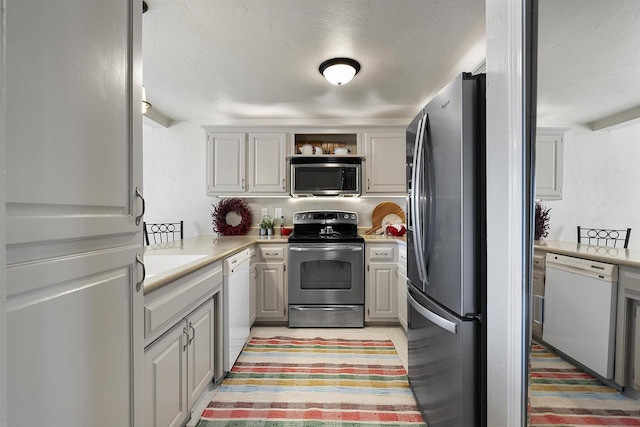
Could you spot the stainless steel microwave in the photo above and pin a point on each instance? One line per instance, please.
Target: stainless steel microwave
(325, 176)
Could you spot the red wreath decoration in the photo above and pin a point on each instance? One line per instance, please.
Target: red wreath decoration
(220, 212)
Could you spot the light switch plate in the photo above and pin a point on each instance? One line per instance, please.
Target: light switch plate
(265, 211)
(278, 213)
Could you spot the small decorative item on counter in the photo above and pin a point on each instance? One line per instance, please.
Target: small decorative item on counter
(231, 217)
(397, 230)
(541, 222)
(284, 231)
(266, 226)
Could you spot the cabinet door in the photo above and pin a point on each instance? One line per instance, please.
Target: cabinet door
(226, 161)
(165, 371)
(382, 294)
(73, 230)
(268, 162)
(385, 162)
(200, 352)
(270, 291)
(253, 275)
(549, 164)
(402, 300)
(537, 317)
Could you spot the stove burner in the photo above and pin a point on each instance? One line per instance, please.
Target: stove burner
(322, 226)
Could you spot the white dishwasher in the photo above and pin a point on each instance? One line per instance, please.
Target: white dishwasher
(236, 306)
(580, 310)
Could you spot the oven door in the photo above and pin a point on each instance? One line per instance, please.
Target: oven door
(326, 273)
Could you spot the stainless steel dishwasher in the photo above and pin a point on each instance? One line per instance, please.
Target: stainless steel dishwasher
(580, 310)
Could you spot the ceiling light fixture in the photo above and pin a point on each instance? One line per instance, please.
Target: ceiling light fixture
(339, 71)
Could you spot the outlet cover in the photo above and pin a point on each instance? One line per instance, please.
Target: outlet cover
(265, 211)
(278, 213)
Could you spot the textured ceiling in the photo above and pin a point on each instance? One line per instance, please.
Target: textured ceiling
(589, 59)
(215, 61)
(219, 61)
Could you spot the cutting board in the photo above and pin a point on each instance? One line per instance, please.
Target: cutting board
(382, 210)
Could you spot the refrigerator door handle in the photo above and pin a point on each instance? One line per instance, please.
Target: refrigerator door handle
(417, 214)
(429, 197)
(431, 316)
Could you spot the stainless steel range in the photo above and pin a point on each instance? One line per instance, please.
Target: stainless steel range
(326, 274)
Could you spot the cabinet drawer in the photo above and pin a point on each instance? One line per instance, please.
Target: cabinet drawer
(272, 252)
(382, 252)
(163, 309)
(539, 260)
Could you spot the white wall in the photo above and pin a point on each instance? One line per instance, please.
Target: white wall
(175, 177)
(601, 180)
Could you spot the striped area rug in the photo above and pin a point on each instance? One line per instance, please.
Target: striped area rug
(562, 395)
(284, 381)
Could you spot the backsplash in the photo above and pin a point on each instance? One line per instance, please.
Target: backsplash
(362, 205)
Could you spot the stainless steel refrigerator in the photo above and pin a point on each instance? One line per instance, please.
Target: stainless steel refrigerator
(446, 263)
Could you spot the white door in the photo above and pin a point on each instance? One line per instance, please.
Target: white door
(267, 162)
(166, 379)
(382, 294)
(385, 162)
(74, 130)
(226, 163)
(270, 291)
(200, 324)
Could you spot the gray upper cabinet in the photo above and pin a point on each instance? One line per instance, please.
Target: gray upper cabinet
(245, 164)
(385, 161)
(268, 162)
(226, 163)
(549, 163)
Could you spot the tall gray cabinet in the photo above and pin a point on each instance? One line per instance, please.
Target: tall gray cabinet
(74, 230)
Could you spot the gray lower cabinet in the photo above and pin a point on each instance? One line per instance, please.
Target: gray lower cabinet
(253, 276)
(381, 293)
(402, 286)
(537, 315)
(178, 367)
(271, 283)
(627, 365)
(182, 344)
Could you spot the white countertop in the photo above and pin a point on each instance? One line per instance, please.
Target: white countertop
(215, 248)
(619, 256)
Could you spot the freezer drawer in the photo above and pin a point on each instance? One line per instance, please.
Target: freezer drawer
(443, 364)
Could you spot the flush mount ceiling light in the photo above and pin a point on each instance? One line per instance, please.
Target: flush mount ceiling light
(339, 71)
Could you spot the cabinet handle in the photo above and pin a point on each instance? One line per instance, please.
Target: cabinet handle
(144, 273)
(243, 184)
(194, 332)
(284, 181)
(187, 341)
(368, 183)
(139, 194)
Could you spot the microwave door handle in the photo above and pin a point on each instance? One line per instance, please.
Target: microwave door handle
(342, 173)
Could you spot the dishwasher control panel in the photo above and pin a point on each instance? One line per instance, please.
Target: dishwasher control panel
(597, 269)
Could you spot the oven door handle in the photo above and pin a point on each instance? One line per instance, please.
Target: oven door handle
(325, 308)
(332, 248)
